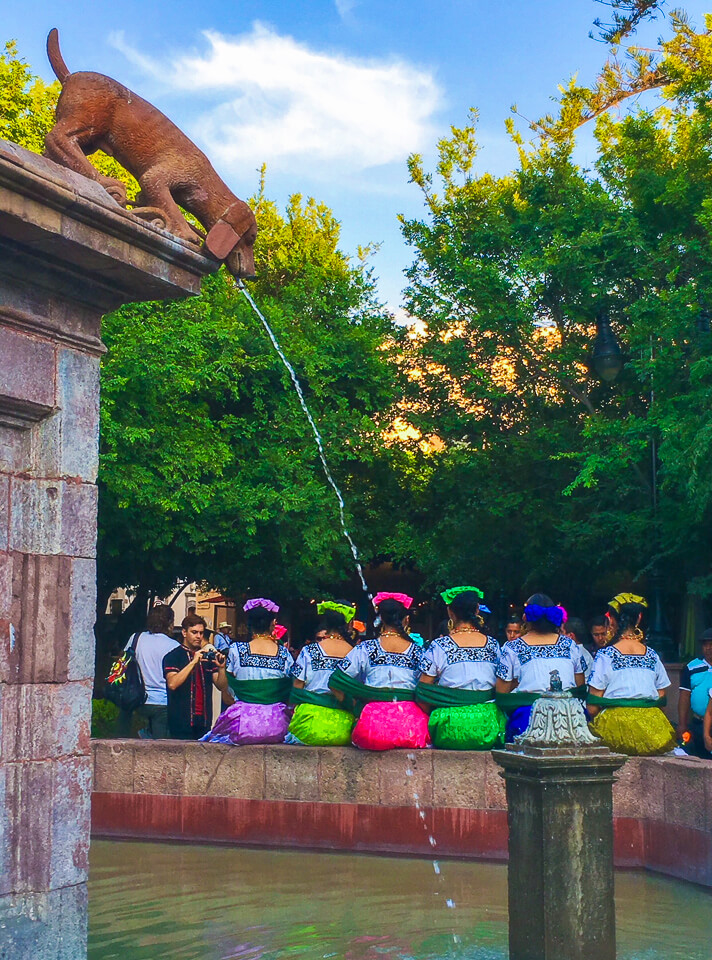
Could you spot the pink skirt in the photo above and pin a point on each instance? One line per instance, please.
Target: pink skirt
(389, 726)
(244, 723)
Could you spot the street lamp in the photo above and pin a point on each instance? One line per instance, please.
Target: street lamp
(607, 356)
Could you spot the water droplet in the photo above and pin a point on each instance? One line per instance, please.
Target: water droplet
(416, 797)
(432, 841)
(436, 867)
(450, 903)
(422, 814)
(409, 773)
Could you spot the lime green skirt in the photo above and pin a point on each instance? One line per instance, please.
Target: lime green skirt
(319, 726)
(477, 727)
(635, 731)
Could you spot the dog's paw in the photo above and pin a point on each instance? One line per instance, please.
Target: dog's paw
(116, 190)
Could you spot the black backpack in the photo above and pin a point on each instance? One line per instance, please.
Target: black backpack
(124, 685)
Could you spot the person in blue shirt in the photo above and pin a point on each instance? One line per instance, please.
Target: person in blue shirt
(695, 687)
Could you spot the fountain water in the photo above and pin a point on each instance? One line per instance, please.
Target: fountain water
(317, 436)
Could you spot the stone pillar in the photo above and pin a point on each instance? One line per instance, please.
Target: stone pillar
(559, 784)
(68, 254)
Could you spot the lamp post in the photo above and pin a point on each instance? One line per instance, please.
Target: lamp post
(607, 356)
(607, 363)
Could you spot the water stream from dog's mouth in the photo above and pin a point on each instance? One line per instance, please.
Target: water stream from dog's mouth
(317, 436)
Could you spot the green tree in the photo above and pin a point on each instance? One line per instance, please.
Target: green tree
(548, 468)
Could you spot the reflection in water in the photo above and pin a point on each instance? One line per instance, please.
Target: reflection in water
(152, 901)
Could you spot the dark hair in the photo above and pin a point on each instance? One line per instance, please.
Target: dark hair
(259, 620)
(466, 607)
(160, 618)
(599, 621)
(542, 624)
(192, 620)
(334, 622)
(392, 614)
(576, 626)
(515, 618)
(626, 619)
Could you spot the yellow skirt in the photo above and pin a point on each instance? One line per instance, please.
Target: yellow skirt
(635, 731)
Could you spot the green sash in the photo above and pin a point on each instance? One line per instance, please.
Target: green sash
(270, 690)
(364, 693)
(608, 702)
(302, 695)
(438, 696)
(510, 701)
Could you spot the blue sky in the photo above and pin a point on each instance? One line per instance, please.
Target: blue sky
(332, 94)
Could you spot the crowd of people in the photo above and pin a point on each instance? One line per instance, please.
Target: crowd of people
(463, 690)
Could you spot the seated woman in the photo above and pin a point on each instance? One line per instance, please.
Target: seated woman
(319, 718)
(458, 679)
(526, 664)
(627, 685)
(258, 678)
(380, 676)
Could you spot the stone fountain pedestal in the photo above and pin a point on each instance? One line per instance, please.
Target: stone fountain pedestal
(559, 782)
(68, 254)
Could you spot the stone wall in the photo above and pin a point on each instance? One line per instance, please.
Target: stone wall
(68, 254)
(345, 799)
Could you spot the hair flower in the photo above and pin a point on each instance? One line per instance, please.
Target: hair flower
(622, 598)
(555, 615)
(452, 592)
(261, 602)
(344, 609)
(400, 597)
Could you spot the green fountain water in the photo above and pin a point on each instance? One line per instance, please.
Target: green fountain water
(156, 901)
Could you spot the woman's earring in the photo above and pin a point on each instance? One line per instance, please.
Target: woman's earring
(450, 625)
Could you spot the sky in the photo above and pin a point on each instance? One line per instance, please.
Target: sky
(333, 95)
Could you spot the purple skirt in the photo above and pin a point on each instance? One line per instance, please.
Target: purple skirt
(245, 723)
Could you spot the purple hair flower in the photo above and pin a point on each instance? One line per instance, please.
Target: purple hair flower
(261, 602)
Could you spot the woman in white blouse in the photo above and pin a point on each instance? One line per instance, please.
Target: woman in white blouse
(526, 664)
(627, 685)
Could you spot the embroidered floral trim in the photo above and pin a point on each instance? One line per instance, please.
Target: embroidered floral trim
(624, 661)
(377, 656)
(456, 654)
(263, 660)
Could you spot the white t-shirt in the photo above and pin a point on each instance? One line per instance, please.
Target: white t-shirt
(151, 648)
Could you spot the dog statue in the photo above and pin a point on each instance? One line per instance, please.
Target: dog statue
(95, 112)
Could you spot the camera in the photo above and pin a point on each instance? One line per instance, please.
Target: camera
(210, 655)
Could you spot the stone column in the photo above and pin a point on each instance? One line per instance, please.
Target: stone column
(68, 254)
(559, 784)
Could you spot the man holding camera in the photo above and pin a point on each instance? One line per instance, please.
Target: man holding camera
(190, 671)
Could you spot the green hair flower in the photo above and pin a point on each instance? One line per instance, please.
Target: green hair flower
(452, 592)
(347, 612)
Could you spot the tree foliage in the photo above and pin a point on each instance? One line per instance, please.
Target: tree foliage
(544, 476)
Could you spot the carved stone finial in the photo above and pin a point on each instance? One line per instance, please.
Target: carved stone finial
(557, 720)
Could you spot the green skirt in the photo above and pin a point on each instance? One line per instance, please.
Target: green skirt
(318, 726)
(477, 727)
(635, 731)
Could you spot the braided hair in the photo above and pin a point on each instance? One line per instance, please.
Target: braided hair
(334, 622)
(466, 607)
(259, 620)
(393, 615)
(627, 618)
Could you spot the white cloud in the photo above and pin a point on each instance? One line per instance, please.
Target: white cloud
(344, 7)
(299, 109)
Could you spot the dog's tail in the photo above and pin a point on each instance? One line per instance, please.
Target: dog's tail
(61, 70)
